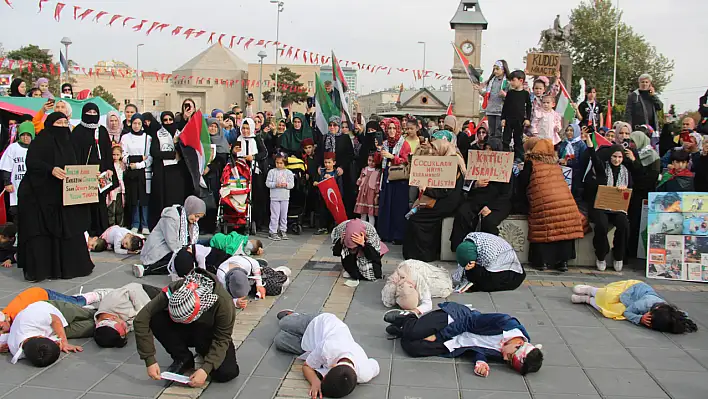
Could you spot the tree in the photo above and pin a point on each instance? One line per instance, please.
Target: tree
(99, 91)
(39, 57)
(592, 49)
(290, 90)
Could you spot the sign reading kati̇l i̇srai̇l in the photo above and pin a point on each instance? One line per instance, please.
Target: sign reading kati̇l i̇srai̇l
(489, 165)
(433, 172)
(81, 184)
(542, 64)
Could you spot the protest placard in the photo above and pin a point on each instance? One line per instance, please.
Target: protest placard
(542, 64)
(489, 165)
(433, 172)
(612, 199)
(81, 184)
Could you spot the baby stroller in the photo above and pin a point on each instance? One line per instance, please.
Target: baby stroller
(298, 195)
(234, 210)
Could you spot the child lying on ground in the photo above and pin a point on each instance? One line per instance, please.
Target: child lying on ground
(118, 239)
(236, 244)
(117, 310)
(637, 302)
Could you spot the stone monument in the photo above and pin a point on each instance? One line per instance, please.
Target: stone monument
(555, 40)
(468, 24)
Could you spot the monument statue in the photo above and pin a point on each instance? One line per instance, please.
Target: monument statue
(554, 37)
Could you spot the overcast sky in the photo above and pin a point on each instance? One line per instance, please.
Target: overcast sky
(383, 32)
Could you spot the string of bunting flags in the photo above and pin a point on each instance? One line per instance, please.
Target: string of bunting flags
(137, 24)
(54, 70)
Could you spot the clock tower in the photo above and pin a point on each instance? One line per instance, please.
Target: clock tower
(468, 24)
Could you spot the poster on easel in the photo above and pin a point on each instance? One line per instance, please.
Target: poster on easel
(677, 229)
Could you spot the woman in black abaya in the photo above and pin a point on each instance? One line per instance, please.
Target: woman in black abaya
(92, 146)
(169, 173)
(51, 243)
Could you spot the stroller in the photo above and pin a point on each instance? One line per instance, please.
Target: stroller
(298, 195)
(234, 210)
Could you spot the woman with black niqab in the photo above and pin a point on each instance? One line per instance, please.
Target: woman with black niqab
(92, 146)
(150, 124)
(18, 88)
(169, 173)
(51, 243)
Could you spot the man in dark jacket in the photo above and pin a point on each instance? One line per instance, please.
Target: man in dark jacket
(643, 105)
(193, 312)
(455, 329)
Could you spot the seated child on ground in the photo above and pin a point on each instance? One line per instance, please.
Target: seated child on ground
(455, 329)
(637, 302)
(119, 239)
(8, 250)
(334, 362)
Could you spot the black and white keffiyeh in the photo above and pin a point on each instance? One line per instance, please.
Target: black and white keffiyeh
(622, 176)
(396, 150)
(188, 234)
(366, 268)
(493, 253)
(192, 299)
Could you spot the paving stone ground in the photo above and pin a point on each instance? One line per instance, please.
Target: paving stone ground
(586, 355)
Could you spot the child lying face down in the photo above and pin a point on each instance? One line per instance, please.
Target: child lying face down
(637, 302)
(118, 239)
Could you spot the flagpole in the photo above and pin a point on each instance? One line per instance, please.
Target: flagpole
(281, 6)
(614, 72)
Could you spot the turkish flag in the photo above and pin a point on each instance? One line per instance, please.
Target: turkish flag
(333, 199)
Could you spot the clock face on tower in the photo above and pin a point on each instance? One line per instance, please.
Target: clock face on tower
(467, 47)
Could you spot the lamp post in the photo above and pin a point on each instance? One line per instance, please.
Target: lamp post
(281, 6)
(66, 42)
(261, 54)
(424, 46)
(137, 74)
(614, 72)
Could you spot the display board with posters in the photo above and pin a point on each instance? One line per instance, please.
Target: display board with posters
(677, 228)
(5, 81)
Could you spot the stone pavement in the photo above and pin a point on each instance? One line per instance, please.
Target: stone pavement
(586, 356)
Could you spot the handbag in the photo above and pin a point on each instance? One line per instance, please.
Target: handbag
(399, 172)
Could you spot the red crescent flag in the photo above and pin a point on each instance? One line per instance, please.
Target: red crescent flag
(333, 199)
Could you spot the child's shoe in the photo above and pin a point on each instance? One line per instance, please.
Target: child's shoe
(601, 265)
(283, 235)
(274, 236)
(580, 298)
(145, 231)
(582, 289)
(138, 270)
(618, 264)
(321, 232)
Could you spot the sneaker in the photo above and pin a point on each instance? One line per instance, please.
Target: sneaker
(541, 267)
(562, 267)
(346, 275)
(283, 235)
(145, 231)
(286, 270)
(138, 271)
(601, 265)
(283, 313)
(396, 316)
(394, 331)
(321, 232)
(618, 264)
(274, 236)
(580, 298)
(582, 289)
(102, 292)
(134, 230)
(262, 262)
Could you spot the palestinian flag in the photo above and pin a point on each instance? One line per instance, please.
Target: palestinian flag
(324, 107)
(196, 148)
(565, 105)
(470, 70)
(340, 88)
(599, 140)
(31, 106)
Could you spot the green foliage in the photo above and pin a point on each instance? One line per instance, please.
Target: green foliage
(290, 79)
(33, 53)
(99, 91)
(592, 49)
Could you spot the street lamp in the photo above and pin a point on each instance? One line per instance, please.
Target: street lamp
(137, 73)
(281, 6)
(66, 42)
(261, 54)
(424, 45)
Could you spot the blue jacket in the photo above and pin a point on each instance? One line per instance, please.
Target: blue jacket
(472, 321)
(231, 135)
(639, 299)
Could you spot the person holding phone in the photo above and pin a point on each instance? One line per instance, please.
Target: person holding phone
(643, 105)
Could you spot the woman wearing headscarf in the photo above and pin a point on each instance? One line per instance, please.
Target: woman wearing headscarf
(424, 227)
(114, 126)
(292, 139)
(486, 202)
(18, 88)
(480, 141)
(51, 243)
(43, 85)
(212, 173)
(137, 178)
(177, 228)
(92, 146)
(150, 124)
(254, 152)
(168, 170)
(393, 198)
(571, 152)
(609, 171)
(645, 170)
(341, 144)
(67, 90)
(361, 249)
(188, 109)
(489, 263)
(553, 216)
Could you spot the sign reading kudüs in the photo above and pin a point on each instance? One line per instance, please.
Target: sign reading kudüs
(542, 64)
(81, 184)
(433, 172)
(489, 165)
